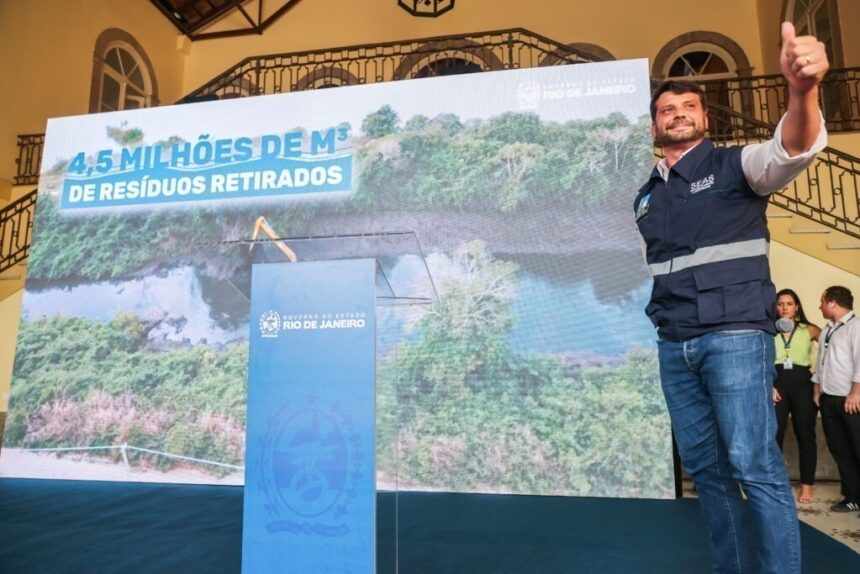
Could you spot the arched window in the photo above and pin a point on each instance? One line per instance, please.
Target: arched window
(819, 18)
(701, 56)
(238, 88)
(582, 52)
(711, 60)
(325, 77)
(451, 66)
(122, 76)
(445, 58)
(708, 65)
(123, 84)
(701, 62)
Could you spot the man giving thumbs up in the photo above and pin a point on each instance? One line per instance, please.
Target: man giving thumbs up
(702, 220)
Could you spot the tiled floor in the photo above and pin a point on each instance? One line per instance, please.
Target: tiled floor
(842, 526)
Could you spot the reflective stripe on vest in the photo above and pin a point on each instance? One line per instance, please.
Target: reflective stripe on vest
(711, 254)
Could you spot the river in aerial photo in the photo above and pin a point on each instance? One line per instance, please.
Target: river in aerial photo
(587, 306)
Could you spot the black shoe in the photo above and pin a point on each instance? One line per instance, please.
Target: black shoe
(845, 506)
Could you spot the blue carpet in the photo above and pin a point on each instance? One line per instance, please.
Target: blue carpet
(101, 527)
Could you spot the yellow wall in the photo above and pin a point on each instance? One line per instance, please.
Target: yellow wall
(628, 29)
(10, 310)
(46, 55)
(808, 277)
(5, 192)
(46, 45)
(849, 17)
(769, 15)
(846, 142)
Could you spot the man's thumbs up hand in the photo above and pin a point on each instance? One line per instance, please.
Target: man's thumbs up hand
(803, 59)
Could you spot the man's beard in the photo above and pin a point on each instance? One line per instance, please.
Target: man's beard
(667, 137)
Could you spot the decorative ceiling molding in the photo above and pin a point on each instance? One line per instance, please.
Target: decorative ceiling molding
(426, 8)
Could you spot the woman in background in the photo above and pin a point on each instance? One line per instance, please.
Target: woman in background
(793, 391)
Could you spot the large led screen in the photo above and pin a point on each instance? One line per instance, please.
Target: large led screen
(533, 370)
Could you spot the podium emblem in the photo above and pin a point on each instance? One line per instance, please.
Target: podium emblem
(270, 324)
(308, 471)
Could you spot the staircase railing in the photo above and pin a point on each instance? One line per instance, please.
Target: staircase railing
(16, 228)
(29, 158)
(765, 97)
(828, 192)
(371, 63)
(742, 109)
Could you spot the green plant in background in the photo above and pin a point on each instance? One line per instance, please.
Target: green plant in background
(442, 162)
(84, 383)
(380, 123)
(125, 136)
(473, 414)
(459, 408)
(493, 166)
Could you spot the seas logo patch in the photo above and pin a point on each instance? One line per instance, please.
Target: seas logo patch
(642, 209)
(702, 184)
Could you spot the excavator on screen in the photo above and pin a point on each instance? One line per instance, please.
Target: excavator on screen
(262, 225)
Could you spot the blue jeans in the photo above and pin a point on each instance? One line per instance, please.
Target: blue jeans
(718, 390)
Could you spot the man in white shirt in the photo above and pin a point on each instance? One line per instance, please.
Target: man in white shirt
(837, 390)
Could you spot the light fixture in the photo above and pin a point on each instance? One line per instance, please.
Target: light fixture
(429, 8)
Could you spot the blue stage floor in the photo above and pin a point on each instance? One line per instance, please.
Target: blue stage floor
(101, 527)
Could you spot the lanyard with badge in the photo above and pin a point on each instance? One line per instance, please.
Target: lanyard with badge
(830, 331)
(787, 363)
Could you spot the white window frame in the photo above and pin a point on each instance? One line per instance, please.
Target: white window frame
(122, 77)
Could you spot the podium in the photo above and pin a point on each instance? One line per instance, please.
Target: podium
(310, 460)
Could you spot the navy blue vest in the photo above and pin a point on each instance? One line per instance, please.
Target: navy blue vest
(706, 238)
